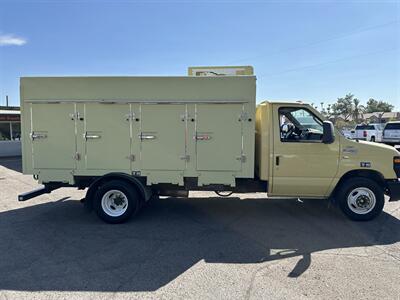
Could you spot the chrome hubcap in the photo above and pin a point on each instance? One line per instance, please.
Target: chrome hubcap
(114, 203)
(361, 200)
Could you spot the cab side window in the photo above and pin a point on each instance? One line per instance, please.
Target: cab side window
(299, 125)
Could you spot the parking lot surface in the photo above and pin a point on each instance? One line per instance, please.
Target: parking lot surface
(204, 247)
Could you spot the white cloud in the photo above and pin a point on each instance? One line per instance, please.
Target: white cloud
(11, 40)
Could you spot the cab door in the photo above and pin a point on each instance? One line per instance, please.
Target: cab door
(302, 164)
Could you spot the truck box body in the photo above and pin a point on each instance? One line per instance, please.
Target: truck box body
(161, 128)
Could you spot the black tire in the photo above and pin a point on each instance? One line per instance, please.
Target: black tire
(372, 139)
(350, 186)
(128, 193)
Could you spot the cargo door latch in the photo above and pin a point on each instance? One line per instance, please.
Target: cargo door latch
(241, 158)
(131, 157)
(185, 157)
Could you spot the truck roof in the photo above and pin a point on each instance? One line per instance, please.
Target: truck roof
(292, 102)
(139, 88)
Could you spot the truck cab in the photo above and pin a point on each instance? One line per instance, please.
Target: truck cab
(301, 155)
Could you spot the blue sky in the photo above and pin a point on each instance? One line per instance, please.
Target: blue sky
(301, 50)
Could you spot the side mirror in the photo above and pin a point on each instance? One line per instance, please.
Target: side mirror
(328, 136)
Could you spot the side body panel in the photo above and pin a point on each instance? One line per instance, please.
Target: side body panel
(354, 156)
(144, 125)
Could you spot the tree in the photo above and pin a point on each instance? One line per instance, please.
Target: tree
(378, 106)
(357, 109)
(329, 110)
(343, 107)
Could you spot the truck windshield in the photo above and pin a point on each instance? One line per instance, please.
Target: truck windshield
(365, 127)
(392, 126)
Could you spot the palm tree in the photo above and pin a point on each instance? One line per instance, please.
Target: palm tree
(357, 110)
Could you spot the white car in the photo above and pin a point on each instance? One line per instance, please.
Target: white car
(368, 132)
(391, 133)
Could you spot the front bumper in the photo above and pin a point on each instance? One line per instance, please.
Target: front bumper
(393, 189)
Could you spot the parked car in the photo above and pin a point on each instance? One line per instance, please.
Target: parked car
(368, 132)
(391, 133)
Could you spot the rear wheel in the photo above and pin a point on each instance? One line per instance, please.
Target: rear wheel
(372, 139)
(361, 199)
(116, 201)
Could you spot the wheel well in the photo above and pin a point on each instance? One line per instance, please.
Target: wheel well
(370, 174)
(136, 183)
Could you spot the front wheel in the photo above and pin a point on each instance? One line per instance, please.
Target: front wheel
(116, 201)
(361, 199)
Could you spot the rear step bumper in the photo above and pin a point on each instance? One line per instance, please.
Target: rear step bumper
(46, 189)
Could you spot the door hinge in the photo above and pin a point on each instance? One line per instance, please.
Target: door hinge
(244, 116)
(77, 156)
(242, 158)
(130, 116)
(187, 117)
(76, 116)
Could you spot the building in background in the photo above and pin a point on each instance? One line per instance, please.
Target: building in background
(10, 131)
(381, 117)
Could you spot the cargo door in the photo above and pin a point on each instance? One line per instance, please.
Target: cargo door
(219, 137)
(162, 136)
(53, 136)
(107, 136)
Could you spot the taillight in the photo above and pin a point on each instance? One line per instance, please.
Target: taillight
(365, 133)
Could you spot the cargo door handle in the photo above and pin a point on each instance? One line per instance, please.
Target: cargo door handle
(91, 136)
(35, 136)
(203, 137)
(147, 136)
(277, 160)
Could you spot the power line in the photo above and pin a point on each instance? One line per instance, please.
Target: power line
(354, 32)
(325, 63)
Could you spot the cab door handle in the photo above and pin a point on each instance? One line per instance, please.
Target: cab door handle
(277, 160)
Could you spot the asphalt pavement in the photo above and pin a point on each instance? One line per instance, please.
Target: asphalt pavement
(204, 247)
